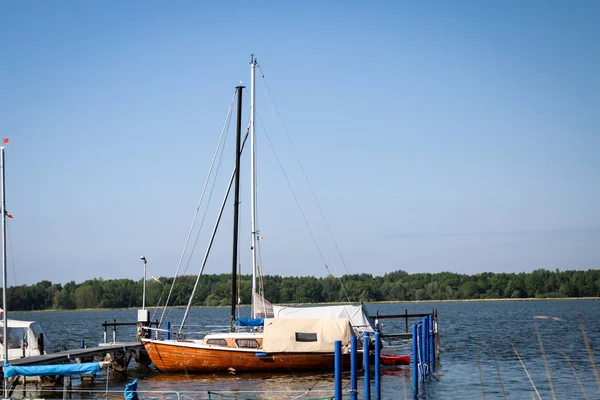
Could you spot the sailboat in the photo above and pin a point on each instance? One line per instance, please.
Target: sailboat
(290, 341)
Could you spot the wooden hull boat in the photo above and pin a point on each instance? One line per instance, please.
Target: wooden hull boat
(296, 340)
(179, 357)
(278, 348)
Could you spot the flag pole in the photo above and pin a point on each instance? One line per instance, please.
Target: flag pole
(3, 219)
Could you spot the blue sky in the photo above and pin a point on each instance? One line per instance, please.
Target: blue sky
(437, 135)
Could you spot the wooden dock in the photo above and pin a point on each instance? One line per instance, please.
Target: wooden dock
(71, 355)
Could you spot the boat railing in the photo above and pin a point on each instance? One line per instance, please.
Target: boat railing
(115, 324)
(406, 316)
(191, 331)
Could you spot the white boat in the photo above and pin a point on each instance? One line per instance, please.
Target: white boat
(24, 339)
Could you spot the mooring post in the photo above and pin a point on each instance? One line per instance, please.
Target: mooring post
(431, 343)
(353, 369)
(168, 330)
(415, 357)
(421, 354)
(83, 343)
(114, 331)
(338, 370)
(367, 370)
(104, 331)
(406, 318)
(425, 358)
(377, 366)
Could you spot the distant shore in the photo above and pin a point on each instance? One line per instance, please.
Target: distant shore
(306, 304)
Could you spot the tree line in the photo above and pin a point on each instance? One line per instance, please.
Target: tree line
(215, 290)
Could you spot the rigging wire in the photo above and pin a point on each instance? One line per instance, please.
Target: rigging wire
(191, 298)
(312, 235)
(275, 110)
(12, 255)
(223, 133)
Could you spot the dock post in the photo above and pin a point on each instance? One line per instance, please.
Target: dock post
(83, 343)
(338, 370)
(104, 331)
(431, 343)
(406, 318)
(367, 370)
(114, 331)
(168, 330)
(377, 366)
(415, 358)
(425, 358)
(353, 369)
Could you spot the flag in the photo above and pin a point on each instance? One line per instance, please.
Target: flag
(155, 278)
(9, 215)
(5, 140)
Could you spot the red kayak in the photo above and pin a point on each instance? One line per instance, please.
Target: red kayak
(391, 359)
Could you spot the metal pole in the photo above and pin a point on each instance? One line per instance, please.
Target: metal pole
(425, 344)
(236, 204)
(4, 283)
(353, 369)
(367, 370)
(415, 357)
(377, 366)
(253, 183)
(338, 370)
(144, 289)
(431, 344)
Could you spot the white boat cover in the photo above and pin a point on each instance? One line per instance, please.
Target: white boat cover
(357, 314)
(305, 335)
(23, 339)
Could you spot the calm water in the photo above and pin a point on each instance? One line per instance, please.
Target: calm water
(466, 329)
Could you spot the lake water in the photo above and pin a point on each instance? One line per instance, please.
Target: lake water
(477, 357)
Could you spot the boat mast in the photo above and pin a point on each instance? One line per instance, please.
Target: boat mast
(236, 202)
(252, 183)
(4, 327)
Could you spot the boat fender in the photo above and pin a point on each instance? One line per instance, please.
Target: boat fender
(261, 354)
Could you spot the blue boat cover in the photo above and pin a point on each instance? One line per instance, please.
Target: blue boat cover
(50, 370)
(250, 321)
(131, 391)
